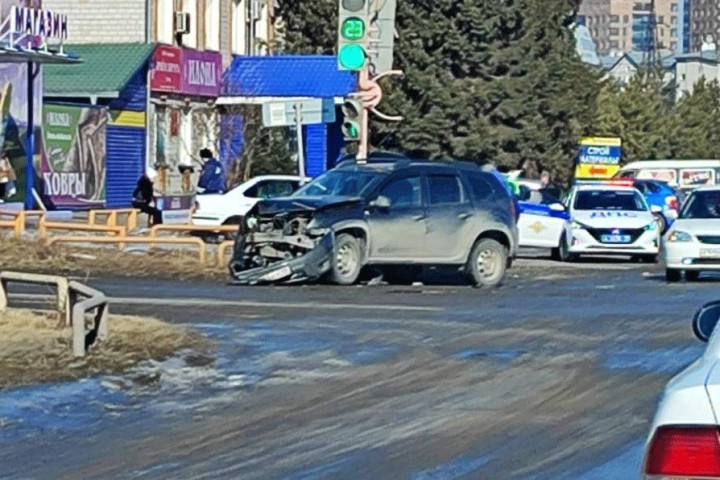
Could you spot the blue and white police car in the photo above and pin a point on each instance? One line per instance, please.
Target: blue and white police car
(609, 218)
(542, 218)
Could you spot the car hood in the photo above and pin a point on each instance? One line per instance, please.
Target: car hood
(698, 227)
(613, 218)
(300, 204)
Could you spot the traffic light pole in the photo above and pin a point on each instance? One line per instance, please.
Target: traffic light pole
(362, 154)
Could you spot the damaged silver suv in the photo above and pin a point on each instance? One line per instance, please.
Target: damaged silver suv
(390, 212)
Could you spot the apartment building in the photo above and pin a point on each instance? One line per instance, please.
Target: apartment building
(704, 23)
(624, 25)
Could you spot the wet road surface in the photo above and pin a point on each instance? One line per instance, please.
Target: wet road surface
(553, 376)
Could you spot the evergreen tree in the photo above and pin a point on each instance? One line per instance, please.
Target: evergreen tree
(694, 127)
(609, 120)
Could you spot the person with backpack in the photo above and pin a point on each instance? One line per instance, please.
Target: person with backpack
(212, 175)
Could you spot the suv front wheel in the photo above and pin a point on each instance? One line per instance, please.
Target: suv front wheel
(487, 263)
(346, 261)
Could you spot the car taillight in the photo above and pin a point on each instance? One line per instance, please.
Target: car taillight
(692, 451)
(671, 202)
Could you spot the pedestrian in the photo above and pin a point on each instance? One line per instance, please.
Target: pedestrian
(212, 175)
(144, 196)
(7, 178)
(548, 185)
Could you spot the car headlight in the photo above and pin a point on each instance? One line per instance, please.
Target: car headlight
(575, 225)
(251, 222)
(679, 236)
(651, 226)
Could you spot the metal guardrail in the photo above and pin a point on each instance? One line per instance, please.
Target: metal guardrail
(44, 226)
(71, 309)
(221, 251)
(192, 228)
(113, 215)
(19, 220)
(202, 249)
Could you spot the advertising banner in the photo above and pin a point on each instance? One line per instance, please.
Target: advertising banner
(186, 72)
(599, 157)
(73, 167)
(697, 177)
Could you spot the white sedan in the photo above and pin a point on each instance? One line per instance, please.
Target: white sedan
(229, 208)
(692, 244)
(684, 440)
(609, 218)
(542, 219)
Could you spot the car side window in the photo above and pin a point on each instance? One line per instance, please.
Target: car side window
(482, 188)
(444, 190)
(252, 192)
(403, 192)
(653, 188)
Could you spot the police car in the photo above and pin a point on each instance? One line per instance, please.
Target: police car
(542, 218)
(609, 218)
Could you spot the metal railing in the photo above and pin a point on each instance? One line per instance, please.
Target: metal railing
(221, 252)
(19, 220)
(131, 222)
(71, 310)
(192, 228)
(202, 249)
(44, 226)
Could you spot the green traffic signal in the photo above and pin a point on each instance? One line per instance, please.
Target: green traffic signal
(351, 130)
(352, 56)
(353, 28)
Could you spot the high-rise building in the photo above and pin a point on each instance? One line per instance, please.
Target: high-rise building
(627, 25)
(704, 23)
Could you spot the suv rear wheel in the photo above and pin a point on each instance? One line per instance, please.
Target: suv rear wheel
(487, 263)
(346, 261)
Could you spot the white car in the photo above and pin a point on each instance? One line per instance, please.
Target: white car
(229, 208)
(542, 219)
(609, 218)
(684, 440)
(692, 244)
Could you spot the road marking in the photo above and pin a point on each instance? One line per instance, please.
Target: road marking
(207, 302)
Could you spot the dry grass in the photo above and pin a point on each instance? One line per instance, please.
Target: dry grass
(33, 350)
(37, 257)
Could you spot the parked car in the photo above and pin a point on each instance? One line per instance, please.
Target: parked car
(542, 219)
(692, 244)
(609, 218)
(684, 439)
(229, 208)
(388, 212)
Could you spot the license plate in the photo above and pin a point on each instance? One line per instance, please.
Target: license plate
(615, 238)
(277, 274)
(710, 252)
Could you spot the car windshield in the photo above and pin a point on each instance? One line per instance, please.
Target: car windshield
(702, 205)
(346, 183)
(609, 200)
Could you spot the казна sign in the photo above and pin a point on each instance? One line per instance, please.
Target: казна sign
(73, 161)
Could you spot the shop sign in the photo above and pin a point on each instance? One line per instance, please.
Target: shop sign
(38, 23)
(599, 157)
(186, 72)
(74, 154)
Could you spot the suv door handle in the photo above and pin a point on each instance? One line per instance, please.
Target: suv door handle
(417, 218)
(464, 216)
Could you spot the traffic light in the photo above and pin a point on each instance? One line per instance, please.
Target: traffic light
(354, 17)
(352, 123)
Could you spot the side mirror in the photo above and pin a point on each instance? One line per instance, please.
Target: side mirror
(381, 203)
(557, 207)
(656, 209)
(705, 320)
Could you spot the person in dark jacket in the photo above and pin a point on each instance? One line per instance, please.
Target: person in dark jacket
(212, 175)
(144, 197)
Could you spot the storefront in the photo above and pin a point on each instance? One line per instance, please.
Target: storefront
(96, 127)
(184, 85)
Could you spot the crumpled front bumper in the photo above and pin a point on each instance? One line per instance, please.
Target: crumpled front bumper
(309, 267)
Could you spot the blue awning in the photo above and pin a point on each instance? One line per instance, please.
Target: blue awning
(287, 76)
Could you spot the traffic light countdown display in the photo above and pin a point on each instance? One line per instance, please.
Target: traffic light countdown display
(352, 35)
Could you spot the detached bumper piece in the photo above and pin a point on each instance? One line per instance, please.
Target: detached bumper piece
(309, 267)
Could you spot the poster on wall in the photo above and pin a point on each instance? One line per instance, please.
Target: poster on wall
(73, 167)
(667, 175)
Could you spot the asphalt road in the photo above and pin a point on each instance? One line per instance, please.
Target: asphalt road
(555, 375)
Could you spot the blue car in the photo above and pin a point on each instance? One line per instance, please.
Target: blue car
(661, 195)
